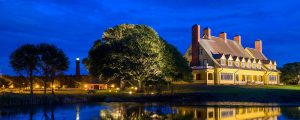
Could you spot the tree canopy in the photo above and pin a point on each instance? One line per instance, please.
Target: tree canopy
(290, 73)
(52, 62)
(45, 59)
(24, 60)
(135, 54)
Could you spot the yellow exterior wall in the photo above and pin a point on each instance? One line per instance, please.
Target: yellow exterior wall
(245, 77)
(204, 76)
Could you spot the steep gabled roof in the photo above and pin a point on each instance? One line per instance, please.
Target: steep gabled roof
(217, 56)
(256, 54)
(236, 58)
(267, 61)
(217, 45)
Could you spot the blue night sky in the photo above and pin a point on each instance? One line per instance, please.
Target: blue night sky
(74, 25)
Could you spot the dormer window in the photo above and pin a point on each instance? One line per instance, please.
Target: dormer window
(229, 63)
(248, 65)
(254, 66)
(223, 62)
(243, 65)
(258, 66)
(237, 64)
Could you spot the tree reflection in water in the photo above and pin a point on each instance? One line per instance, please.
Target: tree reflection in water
(138, 111)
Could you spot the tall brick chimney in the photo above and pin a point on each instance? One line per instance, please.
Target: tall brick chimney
(258, 45)
(77, 67)
(238, 39)
(207, 33)
(223, 35)
(195, 45)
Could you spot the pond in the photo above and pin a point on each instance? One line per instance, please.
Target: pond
(157, 111)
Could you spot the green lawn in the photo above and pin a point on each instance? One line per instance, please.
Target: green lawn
(181, 93)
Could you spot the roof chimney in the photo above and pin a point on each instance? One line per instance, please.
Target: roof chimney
(195, 45)
(238, 39)
(207, 33)
(258, 45)
(223, 35)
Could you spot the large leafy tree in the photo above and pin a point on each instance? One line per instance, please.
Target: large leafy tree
(24, 60)
(134, 54)
(53, 61)
(291, 73)
(175, 66)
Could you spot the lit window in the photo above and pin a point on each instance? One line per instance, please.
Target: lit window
(237, 64)
(259, 66)
(253, 66)
(198, 76)
(243, 64)
(223, 62)
(226, 76)
(248, 65)
(244, 77)
(272, 77)
(236, 77)
(210, 76)
(229, 63)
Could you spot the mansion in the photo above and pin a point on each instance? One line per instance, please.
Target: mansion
(221, 61)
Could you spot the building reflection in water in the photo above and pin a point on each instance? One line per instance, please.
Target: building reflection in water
(142, 111)
(208, 113)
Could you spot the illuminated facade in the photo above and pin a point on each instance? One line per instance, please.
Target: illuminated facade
(218, 60)
(211, 113)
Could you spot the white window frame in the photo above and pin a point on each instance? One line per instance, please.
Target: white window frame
(243, 65)
(259, 66)
(223, 62)
(227, 76)
(237, 63)
(253, 65)
(248, 65)
(229, 62)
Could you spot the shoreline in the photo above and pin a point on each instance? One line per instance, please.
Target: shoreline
(9, 100)
(182, 94)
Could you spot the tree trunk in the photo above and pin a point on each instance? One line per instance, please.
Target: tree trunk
(52, 82)
(45, 87)
(139, 86)
(31, 82)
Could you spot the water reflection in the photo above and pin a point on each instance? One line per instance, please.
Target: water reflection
(190, 112)
(137, 111)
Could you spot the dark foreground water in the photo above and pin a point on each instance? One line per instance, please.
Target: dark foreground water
(157, 111)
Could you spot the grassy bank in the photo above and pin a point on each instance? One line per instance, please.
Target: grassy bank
(182, 93)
